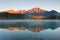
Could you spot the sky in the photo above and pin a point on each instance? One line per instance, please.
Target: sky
(28, 4)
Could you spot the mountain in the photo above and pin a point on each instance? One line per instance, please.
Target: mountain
(36, 9)
(21, 11)
(11, 11)
(45, 13)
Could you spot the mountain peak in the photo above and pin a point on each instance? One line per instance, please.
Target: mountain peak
(11, 11)
(21, 11)
(36, 9)
(53, 11)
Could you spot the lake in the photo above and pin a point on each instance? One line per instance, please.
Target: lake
(29, 29)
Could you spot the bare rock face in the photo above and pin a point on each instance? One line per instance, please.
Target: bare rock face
(36, 9)
(11, 11)
(21, 11)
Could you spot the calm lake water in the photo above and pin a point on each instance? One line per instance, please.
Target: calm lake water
(29, 30)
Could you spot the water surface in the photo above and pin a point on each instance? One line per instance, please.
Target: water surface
(29, 30)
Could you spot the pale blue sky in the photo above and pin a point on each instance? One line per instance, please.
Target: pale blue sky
(27, 4)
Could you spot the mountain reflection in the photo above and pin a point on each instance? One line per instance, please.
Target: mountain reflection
(32, 26)
(23, 28)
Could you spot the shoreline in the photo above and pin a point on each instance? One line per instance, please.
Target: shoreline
(25, 20)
